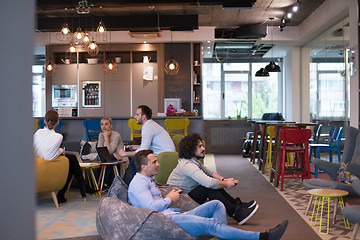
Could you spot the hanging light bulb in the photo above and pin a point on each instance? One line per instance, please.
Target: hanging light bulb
(86, 40)
(171, 67)
(65, 29)
(49, 66)
(79, 34)
(110, 67)
(92, 48)
(72, 48)
(101, 28)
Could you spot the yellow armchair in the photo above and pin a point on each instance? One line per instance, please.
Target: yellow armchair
(167, 161)
(175, 125)
(51, 175)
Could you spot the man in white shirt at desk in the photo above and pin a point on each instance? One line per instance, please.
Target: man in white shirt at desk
(153, 136)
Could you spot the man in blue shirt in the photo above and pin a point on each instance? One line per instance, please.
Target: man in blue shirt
(207, 219)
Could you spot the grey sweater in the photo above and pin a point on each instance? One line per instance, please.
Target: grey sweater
(189, 173)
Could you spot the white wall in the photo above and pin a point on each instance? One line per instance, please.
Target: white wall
(17, 203)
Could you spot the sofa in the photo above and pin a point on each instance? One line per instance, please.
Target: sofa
(117, 219)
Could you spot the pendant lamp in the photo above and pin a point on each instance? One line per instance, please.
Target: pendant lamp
(92, 48)
(49, 66)
(65, 29)
(262, 73)
(110, 67)
(272, 67)
(171, 67)
(101, 27)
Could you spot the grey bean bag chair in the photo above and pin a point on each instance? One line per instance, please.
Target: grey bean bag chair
(353, 212)
(117, 219)
(351, 156)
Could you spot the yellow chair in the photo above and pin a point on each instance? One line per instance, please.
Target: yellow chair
(134, 126)
(36, 124)
(271, 142)
(177, 124)
(167, 161)
(51, 175)
(176, 139)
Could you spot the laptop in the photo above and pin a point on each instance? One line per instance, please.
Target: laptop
(104, 155)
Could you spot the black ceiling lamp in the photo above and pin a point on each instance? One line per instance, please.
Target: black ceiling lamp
(262, 73)
(272, 67)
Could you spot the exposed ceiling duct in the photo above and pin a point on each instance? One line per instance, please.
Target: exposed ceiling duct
(144, 35)
(133, 22)
(249, 31)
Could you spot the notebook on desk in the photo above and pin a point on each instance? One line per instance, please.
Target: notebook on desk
(104, 155)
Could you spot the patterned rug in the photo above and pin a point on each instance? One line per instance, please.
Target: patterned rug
(75, 218)
(296, 195)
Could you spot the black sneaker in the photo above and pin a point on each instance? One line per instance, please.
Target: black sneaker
(241, 215)
(245, 204)
(277, 232)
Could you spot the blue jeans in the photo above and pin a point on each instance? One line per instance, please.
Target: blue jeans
(210, 219)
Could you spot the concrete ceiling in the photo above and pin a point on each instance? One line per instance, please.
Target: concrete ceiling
(231, 18)
(209, 13)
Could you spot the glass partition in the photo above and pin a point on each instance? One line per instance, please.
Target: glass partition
(329, 78)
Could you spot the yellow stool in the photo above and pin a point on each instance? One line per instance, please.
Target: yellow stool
(320, 195)
(92, 179)
(270, 142)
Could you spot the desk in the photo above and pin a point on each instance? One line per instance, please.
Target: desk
(321, 194)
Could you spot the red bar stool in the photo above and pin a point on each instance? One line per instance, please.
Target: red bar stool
(296, 141)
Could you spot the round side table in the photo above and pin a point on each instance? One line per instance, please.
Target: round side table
(320, 195)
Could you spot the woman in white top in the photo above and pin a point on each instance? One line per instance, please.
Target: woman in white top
(113, 141)
(47, 146)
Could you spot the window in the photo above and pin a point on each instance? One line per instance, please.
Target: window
(38, 91)
(231, 90)
(327, 90)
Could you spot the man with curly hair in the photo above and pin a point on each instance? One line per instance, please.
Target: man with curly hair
(202, 184)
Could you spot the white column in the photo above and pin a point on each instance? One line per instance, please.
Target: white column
(17, 202)
(354, 80)
(305, 83)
